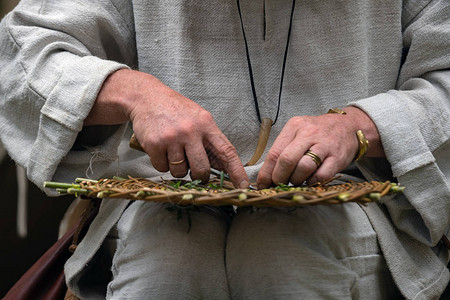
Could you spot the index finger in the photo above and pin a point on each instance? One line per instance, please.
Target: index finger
(223, 154)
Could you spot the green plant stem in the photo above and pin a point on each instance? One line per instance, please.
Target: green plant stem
(79, 180)
(60, 185)
(77, 191)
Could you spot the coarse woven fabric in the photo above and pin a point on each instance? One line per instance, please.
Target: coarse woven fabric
(324, 262)
(389, 58)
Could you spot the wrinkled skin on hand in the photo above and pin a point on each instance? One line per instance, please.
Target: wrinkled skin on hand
(331, 136)
(169, 127)
(173, 128)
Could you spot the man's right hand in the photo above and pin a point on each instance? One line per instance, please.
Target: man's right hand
(177, 133)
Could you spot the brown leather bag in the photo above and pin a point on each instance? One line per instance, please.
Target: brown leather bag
(45, 279)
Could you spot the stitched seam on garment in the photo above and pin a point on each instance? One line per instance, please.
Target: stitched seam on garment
(59, 117)
(422, 293)
(421, 154)
(420, 160)
(413, 18)
(19, 47)
(114, 269)
(360, 256)
(131, 31)
(40, 8)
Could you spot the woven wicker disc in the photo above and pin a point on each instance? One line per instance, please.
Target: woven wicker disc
(219, 193)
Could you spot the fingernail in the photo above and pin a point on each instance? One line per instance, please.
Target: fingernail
(311, 181)
(244, 184)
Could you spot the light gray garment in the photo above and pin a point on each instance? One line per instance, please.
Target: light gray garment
(390, 58)
(277, 253)
(325, 252)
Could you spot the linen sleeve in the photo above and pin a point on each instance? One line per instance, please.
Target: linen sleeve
(54, 57)
(414, 123)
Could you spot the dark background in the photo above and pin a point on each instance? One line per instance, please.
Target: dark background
(44, 214)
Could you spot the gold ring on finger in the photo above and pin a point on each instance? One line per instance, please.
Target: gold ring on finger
(314, 157)
(176, 162)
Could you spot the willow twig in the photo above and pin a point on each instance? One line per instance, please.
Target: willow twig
(218, 192)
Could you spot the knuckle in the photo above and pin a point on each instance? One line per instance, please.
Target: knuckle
(307, 165)
(273, 155)
(170, 136)
(152, 141)
(295, 121)
(227, 152)
(205, 116)
(287, 159)
(185, 128)
(203, 120)
(144, 140)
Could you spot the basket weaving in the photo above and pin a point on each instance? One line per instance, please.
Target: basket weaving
(219, 192)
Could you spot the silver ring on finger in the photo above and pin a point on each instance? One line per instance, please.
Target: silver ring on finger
(314, 157)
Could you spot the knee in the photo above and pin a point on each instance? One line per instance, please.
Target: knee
(160, 255)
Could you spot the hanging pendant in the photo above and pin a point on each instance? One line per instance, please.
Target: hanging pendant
(266, 123)
(264, 132)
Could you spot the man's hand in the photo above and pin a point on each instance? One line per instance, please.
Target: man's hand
(176, 132)
(331, 136)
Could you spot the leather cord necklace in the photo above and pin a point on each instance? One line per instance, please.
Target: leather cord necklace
(266, 123)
